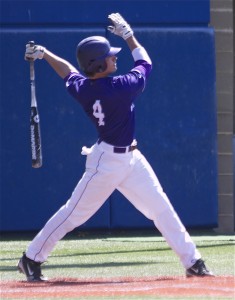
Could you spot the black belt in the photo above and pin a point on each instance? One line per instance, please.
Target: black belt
(124, 149)
(121, 149)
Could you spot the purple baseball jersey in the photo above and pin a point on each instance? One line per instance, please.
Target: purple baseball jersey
(109, 101)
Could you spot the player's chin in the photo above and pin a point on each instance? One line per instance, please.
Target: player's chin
(114, 69)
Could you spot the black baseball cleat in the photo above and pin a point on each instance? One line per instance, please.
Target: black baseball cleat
(198, 269)
(31, 269)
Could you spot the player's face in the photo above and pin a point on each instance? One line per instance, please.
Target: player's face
(111, 64)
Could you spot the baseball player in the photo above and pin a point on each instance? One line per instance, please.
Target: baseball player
(113, 162)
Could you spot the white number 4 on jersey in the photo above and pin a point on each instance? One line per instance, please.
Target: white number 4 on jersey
(97, 112)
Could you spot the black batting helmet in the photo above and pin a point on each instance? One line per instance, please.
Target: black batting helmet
(91, 53)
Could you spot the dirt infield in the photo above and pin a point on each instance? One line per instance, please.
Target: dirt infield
(121, 286)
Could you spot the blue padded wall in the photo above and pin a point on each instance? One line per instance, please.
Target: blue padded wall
(176, 115)
(84, 13)
(176, 124)
(30, 196)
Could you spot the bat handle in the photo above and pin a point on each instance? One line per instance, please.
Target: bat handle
(31, 43)
(32, 74)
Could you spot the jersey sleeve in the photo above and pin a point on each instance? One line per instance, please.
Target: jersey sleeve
(142, 67)
(73, 81)
(134, 81)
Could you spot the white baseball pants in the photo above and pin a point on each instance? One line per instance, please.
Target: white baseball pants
(131, 174)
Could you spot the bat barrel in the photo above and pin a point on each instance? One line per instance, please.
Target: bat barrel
(35, 135)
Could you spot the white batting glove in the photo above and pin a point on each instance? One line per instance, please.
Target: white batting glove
(34, 52)
(120, 26)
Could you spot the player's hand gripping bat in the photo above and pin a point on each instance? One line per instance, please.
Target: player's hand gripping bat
(35, 135)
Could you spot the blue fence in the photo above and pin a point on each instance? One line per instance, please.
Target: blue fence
(176, 115)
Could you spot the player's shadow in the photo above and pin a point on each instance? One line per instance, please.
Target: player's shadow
(99, 281)
(102, 265)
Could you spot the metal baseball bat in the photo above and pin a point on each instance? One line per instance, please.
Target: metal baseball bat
(35, 132)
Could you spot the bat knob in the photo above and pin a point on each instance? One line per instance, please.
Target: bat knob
(32, 43)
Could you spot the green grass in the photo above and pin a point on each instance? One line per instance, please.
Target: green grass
(104, 255)
(85, 255)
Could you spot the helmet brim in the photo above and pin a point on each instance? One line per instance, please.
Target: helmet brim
(113, 51)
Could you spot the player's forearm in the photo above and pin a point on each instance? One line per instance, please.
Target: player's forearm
(137, 50)
(60, 65)
(132, 43)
